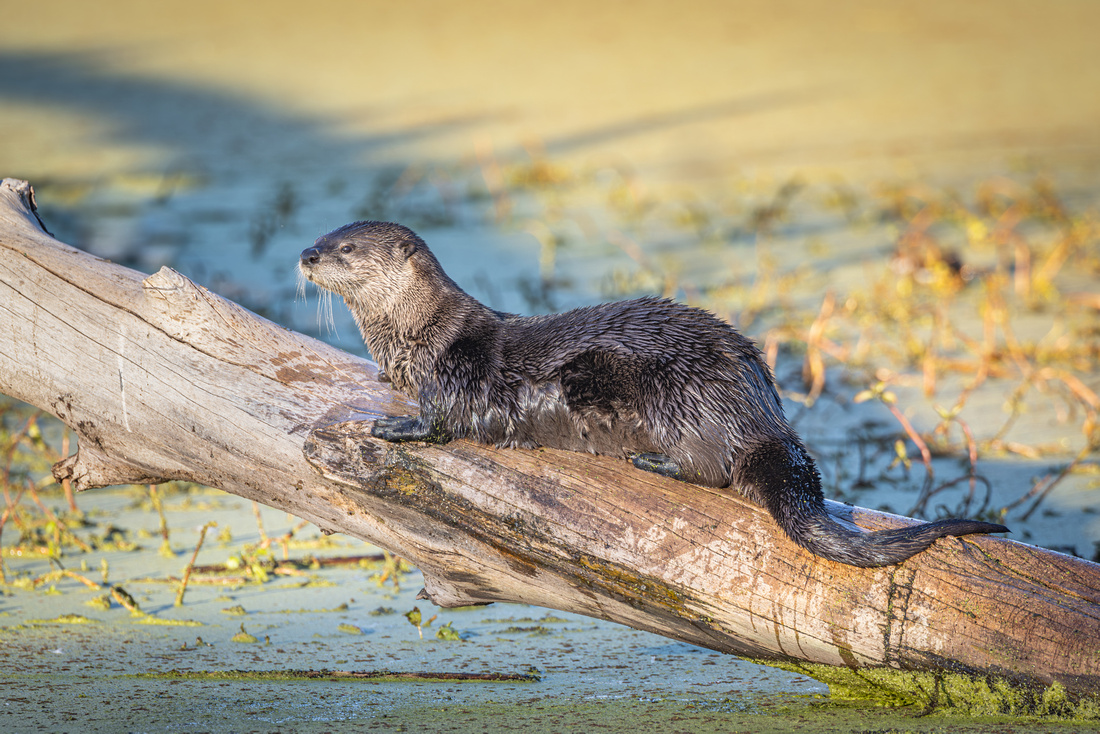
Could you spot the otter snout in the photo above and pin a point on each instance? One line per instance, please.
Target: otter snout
(310, 256)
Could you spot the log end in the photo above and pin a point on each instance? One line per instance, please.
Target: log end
(23, 195)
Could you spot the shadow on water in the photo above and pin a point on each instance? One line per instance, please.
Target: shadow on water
(222, 131)
(219, 130)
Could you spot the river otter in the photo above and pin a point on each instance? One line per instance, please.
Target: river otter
(671, 387)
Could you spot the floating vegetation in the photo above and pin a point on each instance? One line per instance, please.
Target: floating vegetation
(244, 636)
(393, 571)
(161, 622)
(535, 631)
(102, 603)
(548, 618)
(65, 619)
(416, 620)
(381, 676)
(340, 608)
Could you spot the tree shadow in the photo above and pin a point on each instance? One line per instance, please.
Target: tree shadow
(218, 129)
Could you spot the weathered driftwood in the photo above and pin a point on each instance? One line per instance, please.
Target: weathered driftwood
(162, 380)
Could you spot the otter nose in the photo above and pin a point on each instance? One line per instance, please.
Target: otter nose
(311, 256)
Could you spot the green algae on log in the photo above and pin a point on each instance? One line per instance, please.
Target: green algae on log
(277, 417)
(944, 692)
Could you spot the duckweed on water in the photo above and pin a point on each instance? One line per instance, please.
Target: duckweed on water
(244, 636)
(65, 619)
(102, 603)
(377, 676)
(548, 618)
(536, 631)
(447, 633)
(333, 610)
(159, 621)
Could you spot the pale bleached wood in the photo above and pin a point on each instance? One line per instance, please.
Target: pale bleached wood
(162, 379)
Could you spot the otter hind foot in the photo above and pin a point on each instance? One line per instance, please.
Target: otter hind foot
(408, 428)
(658, 464)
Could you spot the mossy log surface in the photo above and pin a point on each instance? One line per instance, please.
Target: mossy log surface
(163, 380)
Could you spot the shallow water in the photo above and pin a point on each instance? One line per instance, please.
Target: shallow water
(591, 675)
(332, 619)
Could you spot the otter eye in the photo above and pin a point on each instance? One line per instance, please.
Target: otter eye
(346, 249)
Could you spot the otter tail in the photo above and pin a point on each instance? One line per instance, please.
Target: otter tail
(781, 476)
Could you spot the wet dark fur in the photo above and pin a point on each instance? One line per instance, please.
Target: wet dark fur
(669, 386)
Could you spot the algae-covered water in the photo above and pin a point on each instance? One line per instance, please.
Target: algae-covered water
(899, 203)
(77, 659)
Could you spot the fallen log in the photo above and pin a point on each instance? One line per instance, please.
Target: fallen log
(161, 380)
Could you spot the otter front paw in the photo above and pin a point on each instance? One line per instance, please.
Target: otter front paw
(408, 429)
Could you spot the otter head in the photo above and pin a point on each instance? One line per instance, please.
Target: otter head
(376, 266)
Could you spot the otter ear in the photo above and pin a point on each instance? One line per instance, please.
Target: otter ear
(407, 248)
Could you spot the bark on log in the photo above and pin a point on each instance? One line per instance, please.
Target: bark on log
(162, 379)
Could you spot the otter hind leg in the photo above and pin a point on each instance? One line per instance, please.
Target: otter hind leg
(658, 464)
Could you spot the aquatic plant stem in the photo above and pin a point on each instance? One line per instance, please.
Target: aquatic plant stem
(9, 511)
(264, 540)
(154, 497)
(190, 564)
